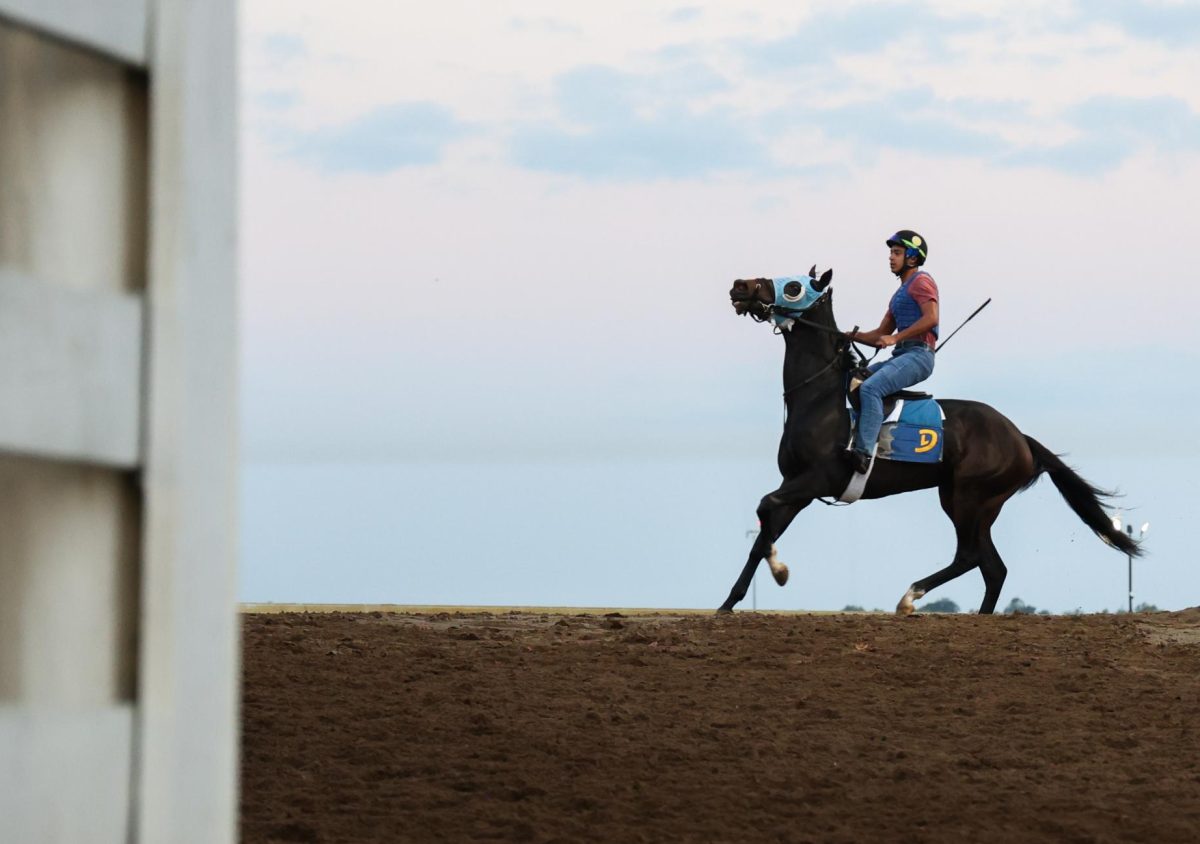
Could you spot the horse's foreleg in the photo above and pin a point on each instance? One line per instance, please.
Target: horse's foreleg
(774, 516)
(757, 551)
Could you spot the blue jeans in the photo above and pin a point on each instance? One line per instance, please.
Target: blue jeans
(907, 366)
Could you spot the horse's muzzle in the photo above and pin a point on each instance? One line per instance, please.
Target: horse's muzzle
(744, 295)
(741, 296)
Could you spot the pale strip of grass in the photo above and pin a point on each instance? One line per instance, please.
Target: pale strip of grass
(429, 609)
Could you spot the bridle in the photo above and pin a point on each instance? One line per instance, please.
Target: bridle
(845, 347)
(839, 356)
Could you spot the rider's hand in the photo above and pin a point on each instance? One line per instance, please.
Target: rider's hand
(886, 340)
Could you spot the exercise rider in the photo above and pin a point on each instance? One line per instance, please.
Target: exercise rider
(910, 327)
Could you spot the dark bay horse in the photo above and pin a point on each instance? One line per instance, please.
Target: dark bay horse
(985, 458)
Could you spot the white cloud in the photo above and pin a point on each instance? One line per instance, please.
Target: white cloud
(996, 82)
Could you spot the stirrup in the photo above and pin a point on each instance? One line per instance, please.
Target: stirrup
(860, 461)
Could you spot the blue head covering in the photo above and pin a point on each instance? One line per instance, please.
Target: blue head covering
(804, 300)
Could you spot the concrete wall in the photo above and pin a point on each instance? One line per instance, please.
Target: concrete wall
(118, 635)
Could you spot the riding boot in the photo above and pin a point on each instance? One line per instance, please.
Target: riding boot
(860, 461)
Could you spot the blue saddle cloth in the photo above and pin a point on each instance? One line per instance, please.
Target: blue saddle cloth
(912, 432)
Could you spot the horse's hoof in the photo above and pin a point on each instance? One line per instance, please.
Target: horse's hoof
(905, 607)
(779, 570)
(725, 611)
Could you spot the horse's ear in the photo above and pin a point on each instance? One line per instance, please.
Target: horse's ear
(813, 272)
(823, 282)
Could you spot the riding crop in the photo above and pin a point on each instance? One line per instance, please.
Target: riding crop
(964, 322)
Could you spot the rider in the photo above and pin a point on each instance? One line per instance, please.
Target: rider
(911, 327)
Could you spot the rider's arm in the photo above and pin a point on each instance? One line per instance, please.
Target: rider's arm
(929, 318)
(886, 326)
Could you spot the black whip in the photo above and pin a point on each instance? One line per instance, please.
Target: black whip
(964, 322)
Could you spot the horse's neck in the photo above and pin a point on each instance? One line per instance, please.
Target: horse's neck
(809, 355)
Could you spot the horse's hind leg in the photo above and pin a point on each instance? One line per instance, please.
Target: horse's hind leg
(994, 571)
(963, 562)
(966, 556)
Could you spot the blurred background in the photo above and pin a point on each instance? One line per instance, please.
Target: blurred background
(487, 350)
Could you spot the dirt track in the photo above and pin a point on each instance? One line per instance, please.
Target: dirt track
(522, 727)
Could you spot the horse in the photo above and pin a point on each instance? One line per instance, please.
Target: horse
(986, 459)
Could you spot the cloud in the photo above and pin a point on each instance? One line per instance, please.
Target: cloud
(597, 92)
(1111, 129)
(1167, 122)
(1107, 130)
(685, 14)
(617, 125)
(911, 120)
(979, 109)
(387, 138)
(1175, 24)
(843, 86)
(613, 124)
(673, 145)
(865, 28)
(621, 126)
(1087, 156)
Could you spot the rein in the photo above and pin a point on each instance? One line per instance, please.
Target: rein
(848, 345)
(837, 357)
(794, 314)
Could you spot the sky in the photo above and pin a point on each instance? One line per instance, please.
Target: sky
(487, 351)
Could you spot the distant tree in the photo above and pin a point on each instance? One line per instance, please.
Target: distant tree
(940, 605)
(1146, 608)
(852, 608)
(1018, 607)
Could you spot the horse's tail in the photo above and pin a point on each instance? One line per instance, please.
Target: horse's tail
(1086, 500)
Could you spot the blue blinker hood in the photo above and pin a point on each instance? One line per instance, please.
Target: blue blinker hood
(795, 300)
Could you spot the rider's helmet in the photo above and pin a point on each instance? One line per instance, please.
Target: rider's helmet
(914, 245)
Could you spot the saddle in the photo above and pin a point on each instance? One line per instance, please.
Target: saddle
(912, 423)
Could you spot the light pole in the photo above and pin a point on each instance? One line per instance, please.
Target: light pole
(754, 580)
(1118, 525)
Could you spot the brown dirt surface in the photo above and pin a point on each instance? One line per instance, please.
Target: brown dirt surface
(826, 728)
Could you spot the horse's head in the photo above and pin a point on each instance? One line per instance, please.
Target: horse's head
(753, 296)
(764, 298)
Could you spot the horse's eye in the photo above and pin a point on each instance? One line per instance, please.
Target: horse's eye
(793, 290)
